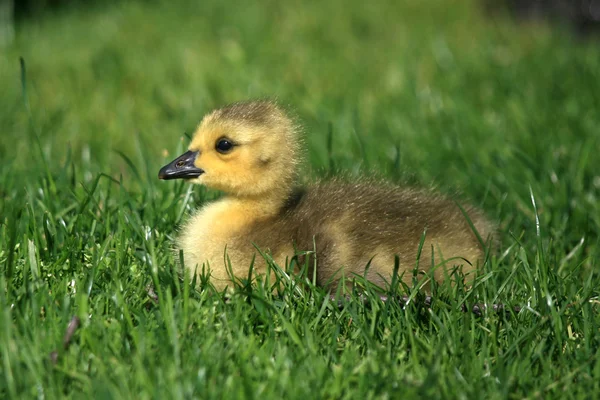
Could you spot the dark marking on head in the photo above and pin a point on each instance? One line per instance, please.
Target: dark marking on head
(294, 199)
(260, 112)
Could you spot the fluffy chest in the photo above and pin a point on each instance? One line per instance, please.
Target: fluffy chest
(214, 224)
(222, 226)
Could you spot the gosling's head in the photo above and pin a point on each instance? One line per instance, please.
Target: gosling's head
(245, 149)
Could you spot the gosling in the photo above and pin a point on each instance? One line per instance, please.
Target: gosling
(251, 151)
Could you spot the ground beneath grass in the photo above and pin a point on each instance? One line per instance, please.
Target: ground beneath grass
(422, 94)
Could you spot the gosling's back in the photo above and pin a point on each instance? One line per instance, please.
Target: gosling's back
(352, 225)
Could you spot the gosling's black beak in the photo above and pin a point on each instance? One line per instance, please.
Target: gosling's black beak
(181, 167)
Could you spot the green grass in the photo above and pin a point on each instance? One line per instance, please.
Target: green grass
(430, 95)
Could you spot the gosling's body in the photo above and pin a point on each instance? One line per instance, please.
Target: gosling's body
(349, 225)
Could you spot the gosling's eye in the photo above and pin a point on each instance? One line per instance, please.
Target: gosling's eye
(224, 146)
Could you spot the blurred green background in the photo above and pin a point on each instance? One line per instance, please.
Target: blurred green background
(440, 93)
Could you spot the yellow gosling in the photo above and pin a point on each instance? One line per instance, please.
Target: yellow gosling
(251, 151)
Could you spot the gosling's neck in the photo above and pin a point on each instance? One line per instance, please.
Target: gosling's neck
(260, 206)
(237, 212)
